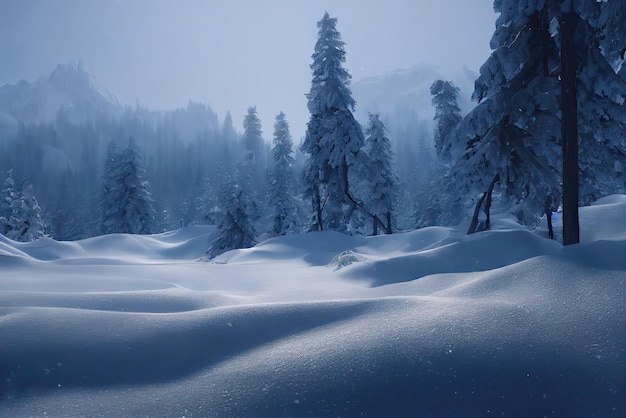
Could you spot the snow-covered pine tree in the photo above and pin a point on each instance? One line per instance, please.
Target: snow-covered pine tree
(229, 145)
(111, 193)
(254, 157)
(137, 211)
(382, 179)
(333, 139)
(7, 195)
(280, 196)
(26, 223)
(126, 203)
(513, 135)
(601, 98)
(447, 118)
(238, 215)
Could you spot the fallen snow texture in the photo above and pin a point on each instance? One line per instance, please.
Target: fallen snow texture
(426, 323)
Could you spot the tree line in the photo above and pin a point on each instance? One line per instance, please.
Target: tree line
(342, 177)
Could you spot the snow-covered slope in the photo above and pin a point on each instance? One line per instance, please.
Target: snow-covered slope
(408, 90)
(68, 89)
(426, 323)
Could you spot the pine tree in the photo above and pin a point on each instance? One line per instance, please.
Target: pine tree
(281, 180)
(333, 139)
(382, 179)
(238, 214)
(593, 47)
(254, 158)
(569, 126)
(600, 97)
(514, 135)
(138, 213)
(26, 223)
(229, 145)
(447, 117)
(111, 193)
(7, 196)
(126, 203)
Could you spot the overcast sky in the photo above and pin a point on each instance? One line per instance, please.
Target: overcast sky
(233, 54)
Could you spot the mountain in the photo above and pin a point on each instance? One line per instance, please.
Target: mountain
(407, 91)
(68, 89)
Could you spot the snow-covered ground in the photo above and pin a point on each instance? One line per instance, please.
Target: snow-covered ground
(425, 323)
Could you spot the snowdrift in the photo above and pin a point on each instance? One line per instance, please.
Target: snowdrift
(426, 323)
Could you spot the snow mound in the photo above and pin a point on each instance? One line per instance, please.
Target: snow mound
(605, 220)
(186, 243)
(345, 258)
(426, 323)
(478, 252)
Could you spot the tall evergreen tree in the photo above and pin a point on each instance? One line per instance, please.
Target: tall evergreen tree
(382, 179)
(600, 98)
(126, 203)
(447, 117)
(7, 196)
(593, 48)
(238, 215)
(229, 145)
(280, 196)
(138, 213)
(513, 136)
(333, 139)
(111, 193)
(569, 125)
(254, 158)
(26, 223)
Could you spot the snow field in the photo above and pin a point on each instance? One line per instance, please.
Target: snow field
(430, 322)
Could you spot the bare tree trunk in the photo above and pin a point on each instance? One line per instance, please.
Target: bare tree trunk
(549, 208)
(318, 210)
(474, 224)
(496, 179)
(374, 226)
(549, 219)
(569, 124)
(356, 203)
(487, 195)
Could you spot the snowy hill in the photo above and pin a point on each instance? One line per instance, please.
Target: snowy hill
(408, 90)
(425, 323)
(69, 89)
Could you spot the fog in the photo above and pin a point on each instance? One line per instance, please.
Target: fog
(234, 54)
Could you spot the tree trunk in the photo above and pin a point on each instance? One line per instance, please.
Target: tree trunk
(374, 226)
(487, 195)
(356, 203)
(496, 179)
(569, 124)
(549, 208)
(318, 210)
(549, 219)
(388, 231)
(474, 224)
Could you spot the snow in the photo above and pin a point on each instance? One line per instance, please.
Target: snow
(69, 88)
(424, 323)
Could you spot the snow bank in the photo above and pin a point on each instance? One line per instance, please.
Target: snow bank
(427, 323)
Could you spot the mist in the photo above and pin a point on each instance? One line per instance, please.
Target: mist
(234, 54)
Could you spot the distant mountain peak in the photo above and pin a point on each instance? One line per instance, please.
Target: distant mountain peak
(407, 91)
(68, 89)
(72, 77)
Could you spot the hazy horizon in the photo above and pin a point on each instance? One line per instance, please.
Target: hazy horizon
(235, 54)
